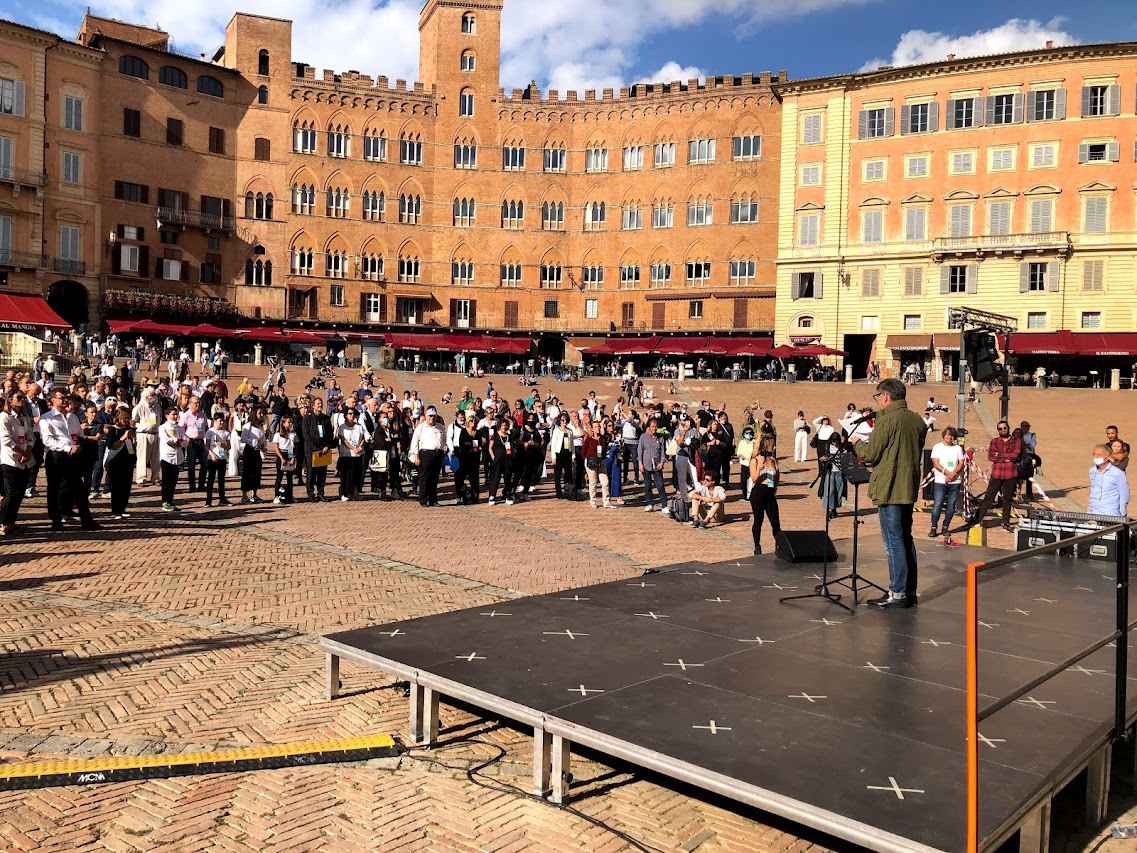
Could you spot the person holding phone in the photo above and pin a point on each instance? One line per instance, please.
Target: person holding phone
(119, 462)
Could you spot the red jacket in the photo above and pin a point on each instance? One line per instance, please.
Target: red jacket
(1004, 454)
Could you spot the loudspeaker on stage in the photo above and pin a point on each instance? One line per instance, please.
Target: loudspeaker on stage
(805, 546)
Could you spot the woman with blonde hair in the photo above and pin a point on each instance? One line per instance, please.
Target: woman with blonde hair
(765, 476)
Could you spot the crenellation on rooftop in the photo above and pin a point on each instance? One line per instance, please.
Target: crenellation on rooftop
(761, 82)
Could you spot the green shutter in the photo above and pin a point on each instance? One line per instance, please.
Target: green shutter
(862, 128)
(905, 119)
(1059, 103)
(1031, 98)
(1085, 101)
(933, 117)
(1083, 152)
(1017, 110)
(979, 111)
(889, 121)
(1113, 108)
(949, 115)
(1113, 152)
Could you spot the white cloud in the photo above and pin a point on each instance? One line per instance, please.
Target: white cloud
(917, 46)
(567, 44)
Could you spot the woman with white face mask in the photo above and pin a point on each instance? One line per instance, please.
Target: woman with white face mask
(832, 486)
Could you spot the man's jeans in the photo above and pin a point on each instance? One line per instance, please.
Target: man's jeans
(896, 530)
(944, 497)
(653, 480)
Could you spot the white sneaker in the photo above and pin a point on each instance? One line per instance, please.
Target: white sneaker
(648, 508)
(607, 505)
(592, 504)
(666, 510)
(491, 501)
(277, 500)
(509, 501)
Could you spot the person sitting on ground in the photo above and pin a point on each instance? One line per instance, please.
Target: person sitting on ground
(708, 502)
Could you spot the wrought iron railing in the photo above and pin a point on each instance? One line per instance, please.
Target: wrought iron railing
(195, 219)
(11, 258)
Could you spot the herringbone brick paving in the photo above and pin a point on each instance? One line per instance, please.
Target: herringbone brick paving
(163, 634)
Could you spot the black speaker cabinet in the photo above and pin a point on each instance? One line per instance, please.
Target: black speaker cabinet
(805, 546)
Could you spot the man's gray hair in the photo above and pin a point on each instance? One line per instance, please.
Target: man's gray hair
(894, 388)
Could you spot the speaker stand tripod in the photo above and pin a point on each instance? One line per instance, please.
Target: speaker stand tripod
(853, 578)
(822, 589)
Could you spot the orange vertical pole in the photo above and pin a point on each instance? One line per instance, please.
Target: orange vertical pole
(973, 707)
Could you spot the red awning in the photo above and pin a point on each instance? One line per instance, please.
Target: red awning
(682, 346)
(813, 351)
(634, 346)
(424, 342)
(600, 349)
(26, 312)
(740, 346)
(1042, 343)
(120, 327)
(303, 336)
(208, 330)
(512, 346)
(1104, 343)
(468, 343)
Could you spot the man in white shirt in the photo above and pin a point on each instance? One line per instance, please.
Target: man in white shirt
(426, 452)
(194, 423)
(60, 430)
(708, 502)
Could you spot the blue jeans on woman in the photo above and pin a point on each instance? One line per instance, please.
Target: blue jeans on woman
(896, 531)
(944, 497)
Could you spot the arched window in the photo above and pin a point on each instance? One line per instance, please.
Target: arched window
(464, 211)
(258, 273)
(303, 199)
(410, 209)
(262, 63)
(467, 60)
(466, 103)
(168, 75)
(512, 214)
(374, 205)
(250, 205)
(469, 24)
(211, 86)
(132, 66)
(262, 95)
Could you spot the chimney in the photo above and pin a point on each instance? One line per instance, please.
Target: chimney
(1049, 45)
(950, 57)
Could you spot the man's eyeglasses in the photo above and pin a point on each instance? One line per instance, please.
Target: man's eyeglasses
(876, 396)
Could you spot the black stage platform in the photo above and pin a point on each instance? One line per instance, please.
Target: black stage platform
(852, 724)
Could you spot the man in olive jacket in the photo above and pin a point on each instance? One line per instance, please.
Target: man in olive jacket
(894, 449)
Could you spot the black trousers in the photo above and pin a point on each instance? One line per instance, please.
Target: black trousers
(169, 481)
(562, 472)
(351, 475)
(995, 487)
(764, 503)
(430, 469)
(215, 475)
(196, 459)
(317, 479)
(283, 487)
(120, 479)
(467, 481)
(66, 485)
(501, 468)
(15, 484)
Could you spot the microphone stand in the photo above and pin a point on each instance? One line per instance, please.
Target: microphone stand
(822, 589)
(855, 473)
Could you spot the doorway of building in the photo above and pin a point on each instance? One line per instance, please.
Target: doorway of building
(860, 351)
(552, 348)
(69, 300)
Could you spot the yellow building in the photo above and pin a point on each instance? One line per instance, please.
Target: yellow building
(1003, 183)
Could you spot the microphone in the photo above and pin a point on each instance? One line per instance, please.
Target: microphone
(862, 419)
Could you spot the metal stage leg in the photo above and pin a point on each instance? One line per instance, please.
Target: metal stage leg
(424, 715)
(332, 676)
(542, 761)
(1097, 786)
(562, 779)
(1034, 835)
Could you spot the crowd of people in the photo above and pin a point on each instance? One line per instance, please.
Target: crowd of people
(101, 433)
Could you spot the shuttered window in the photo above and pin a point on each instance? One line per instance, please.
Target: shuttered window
(916, 223)
(870, 283)
(1093, 277)
(999, 217)
(807, 229)
(1094, 212)
(872, 226)
(960, 220)
(913, 281)
(510, 317)
(1041, 215)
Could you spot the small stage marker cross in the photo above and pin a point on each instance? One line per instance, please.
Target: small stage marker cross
(1085, 588)
(641, 584)
(1020, 611)
(826, 621)
(395, 633)
(895, 788)
(874, 667)
(472, 656)
(495, 613)
(936, 643)
(718, 599)
(759, 641)
(991, 741)
(683, 665)
(576, 598)
(1085, 671)
(696, 572)
(1047, 600)
(1038, 703)
(571, 635)
(584, 691)
(811, 699)
(714, 728)
(652, 615)
(989, 624)
(778, 586)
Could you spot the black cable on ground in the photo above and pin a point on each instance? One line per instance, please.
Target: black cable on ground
(472, 774)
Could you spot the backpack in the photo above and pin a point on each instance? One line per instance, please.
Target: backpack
(680, 510)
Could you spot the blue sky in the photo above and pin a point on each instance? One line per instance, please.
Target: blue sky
(589, 44)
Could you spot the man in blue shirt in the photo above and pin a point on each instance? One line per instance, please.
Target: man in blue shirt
(1109, 490)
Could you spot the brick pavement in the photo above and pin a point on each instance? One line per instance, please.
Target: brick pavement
(197, 632)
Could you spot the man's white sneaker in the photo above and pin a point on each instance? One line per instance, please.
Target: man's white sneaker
(648, 508)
